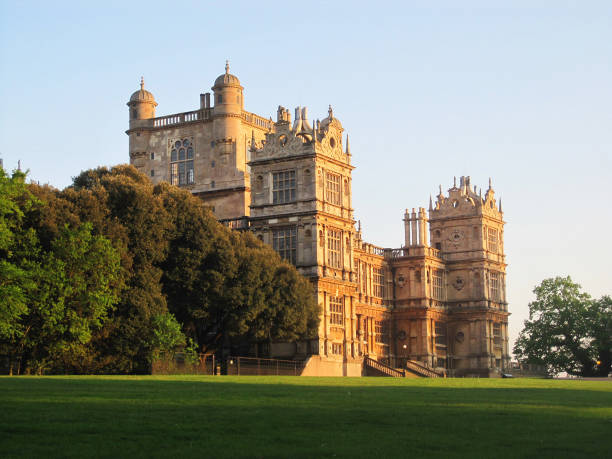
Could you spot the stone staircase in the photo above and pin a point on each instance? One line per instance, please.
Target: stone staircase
(422, 371)
(373, 367)
(414, 369)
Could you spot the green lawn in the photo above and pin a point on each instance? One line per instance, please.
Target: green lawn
(249, 416)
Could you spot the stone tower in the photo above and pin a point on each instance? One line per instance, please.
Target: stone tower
(229, 140)
(301, 206)
(203, 150)
(468, 229)
(141, 109)
(450, 297)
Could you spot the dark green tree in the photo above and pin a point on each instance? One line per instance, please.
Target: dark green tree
(226, 286)
(600, 317)
(566, 330)
(121, 204)
(111, 273)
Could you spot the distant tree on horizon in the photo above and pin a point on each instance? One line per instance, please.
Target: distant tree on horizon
(567, 330)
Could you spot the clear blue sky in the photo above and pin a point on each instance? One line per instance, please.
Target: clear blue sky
(426, 90)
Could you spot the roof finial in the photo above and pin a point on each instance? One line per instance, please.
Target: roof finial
(348, 148)
(141, 83)
(227, 66)
(330, 112)
(490, 185)
(430, 203)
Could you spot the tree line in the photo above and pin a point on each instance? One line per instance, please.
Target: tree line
(114, 272)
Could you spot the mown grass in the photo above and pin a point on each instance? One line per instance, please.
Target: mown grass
(199, 416)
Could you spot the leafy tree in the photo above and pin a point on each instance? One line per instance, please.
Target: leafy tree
(73, 289)
(74, 295)
(15, 270)
(227, 286)
(121, 203)
(600, 317)
(112, 273)
(167, 336)
(566, 330)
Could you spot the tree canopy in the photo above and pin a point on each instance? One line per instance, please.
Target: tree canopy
(567, 330)
(114, 272)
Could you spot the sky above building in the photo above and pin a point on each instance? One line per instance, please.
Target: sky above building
(426, 91)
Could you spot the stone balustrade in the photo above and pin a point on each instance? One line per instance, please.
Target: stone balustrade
(412, 251)
(179, 118)
(372, 249)
(257, 120)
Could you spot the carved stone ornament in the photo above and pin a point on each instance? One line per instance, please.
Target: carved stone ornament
(401, 335)
(456, 237)
(460, 337)
(458, 283)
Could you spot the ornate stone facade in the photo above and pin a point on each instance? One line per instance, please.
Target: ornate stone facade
(441, 304)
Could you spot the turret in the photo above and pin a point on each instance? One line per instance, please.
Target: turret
(228, 94)
(229, 144)
(142, 104)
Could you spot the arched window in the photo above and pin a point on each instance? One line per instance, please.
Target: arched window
(181, 162)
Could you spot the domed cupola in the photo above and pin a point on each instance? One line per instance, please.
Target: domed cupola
(226, 79)
(142, 104)
(331, 120)
(228, 93)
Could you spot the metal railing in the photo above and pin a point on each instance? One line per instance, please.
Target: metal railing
(256, 366)
(179, 365)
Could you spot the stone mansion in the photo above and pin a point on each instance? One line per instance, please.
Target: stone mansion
(439, 301)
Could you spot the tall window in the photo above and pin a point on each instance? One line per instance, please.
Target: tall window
(284, 241)
(336, 311)
(378, 280)
(492, 240)
(181, 163)
(438, 288)
(283, 187)
(333, 248)
(364, 277)
(497, 334)
(380, 330)
(332, 193)
(440, 333)
(494, 284)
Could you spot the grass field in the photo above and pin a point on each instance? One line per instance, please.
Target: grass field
(208, 416)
